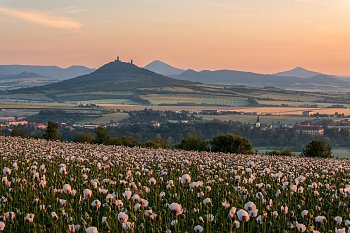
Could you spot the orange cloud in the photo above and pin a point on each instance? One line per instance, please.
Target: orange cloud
(41, 18)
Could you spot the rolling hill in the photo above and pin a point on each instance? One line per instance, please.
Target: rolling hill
(54, 72)
(318, 82)
(124, 83)
(115, 80)
(115, 76)
(294, 79)
(23, 80)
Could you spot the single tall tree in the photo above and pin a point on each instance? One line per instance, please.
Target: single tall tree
(102, 136)
(317, 149)
(231, 144)
(52, 131)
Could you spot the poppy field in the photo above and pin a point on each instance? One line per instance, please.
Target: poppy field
(70, 187)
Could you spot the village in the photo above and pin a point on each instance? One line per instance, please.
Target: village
(307, 122)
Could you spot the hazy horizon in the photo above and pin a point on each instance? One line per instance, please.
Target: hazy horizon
(183, 68)
(259, 36)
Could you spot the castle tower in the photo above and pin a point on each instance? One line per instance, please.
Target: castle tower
(131, 62)
(118, 59)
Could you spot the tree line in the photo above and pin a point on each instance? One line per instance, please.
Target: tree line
(141, 125)
(228, 143)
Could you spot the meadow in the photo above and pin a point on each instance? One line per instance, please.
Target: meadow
(251, 119)
(341, 153)
(292, 110)
(106, 118)
(196, 99)
(68, 187)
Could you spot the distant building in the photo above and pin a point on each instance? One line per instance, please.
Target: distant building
(210, 111)
(86, 105)
(41, 126)
(91, 126)
(178, 121)
(155, 124)
(7, 119)
(86, 126)
(15, 123)
(309, 129)
(339, 127)
(257, 123)
(306, 113)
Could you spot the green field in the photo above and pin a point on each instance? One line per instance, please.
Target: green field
(341, 153)
(109, 101)
(196, 99)
(252, 118)
(106, 118)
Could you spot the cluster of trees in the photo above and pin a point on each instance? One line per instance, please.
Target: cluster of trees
(280, 153)
(149, 116)
(173, 134)
(140, 126)
(102, 136)
(228, 143)
(59, 116)
(318, 149)
(224, 143)
(236, 144)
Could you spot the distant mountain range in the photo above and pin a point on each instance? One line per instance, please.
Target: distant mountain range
(163, 68)
(299, 72)
(125, 83)
(54, 72)
(295, 79)
(114, 80)
(23, 80)
(124, 76)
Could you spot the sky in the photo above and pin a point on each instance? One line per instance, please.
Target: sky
(262, 36)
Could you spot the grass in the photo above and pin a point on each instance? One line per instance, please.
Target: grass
(296, 103)
(109, 101)
(291, 110)
(196, 99)
(106, 118)
(252, 118)
(33, 105)
(342, 153)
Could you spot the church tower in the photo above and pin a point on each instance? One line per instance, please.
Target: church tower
(257, 124)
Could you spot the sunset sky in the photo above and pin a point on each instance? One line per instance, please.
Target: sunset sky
(254, 35)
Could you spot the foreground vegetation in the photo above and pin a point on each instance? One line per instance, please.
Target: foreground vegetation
(70, 187)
